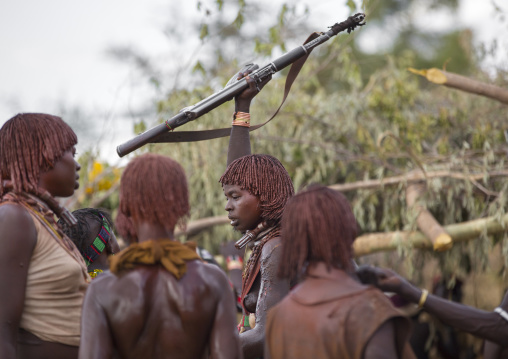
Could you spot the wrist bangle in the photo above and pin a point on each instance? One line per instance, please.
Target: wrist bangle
(241, 116)
(241, 119)
(240, 123)
(423, 298)
(502, 313)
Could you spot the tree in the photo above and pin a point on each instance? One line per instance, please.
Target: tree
(348, 121)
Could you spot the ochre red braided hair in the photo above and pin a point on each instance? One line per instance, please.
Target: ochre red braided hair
(30, 144)
(264, 177)
(322, 227)
(153, 188)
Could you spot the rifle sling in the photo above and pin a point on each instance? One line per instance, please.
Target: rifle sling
(194, 136)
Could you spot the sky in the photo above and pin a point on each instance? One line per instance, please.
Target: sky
(54, 54)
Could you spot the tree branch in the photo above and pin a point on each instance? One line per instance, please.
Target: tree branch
(464, 84)
(460, 232)
(414, 176)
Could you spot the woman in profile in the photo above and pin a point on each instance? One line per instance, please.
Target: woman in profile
(43, 277)
(329, 314)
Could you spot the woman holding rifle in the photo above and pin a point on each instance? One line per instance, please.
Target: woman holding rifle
(257, 188)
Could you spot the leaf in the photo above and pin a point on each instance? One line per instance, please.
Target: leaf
(352, 6)
(239, 20)
(199, 68)
(203, 32)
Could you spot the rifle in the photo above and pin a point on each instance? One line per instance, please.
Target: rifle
(230, 91)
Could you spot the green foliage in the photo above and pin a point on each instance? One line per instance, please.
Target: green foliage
(204, 31)
(351, 5)
(352, 117)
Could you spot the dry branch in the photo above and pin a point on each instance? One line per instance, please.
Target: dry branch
(425, 221)
(464, 84)
(460, 232)
(389, 241)
(414, 177)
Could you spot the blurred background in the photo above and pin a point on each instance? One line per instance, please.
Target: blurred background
(356, 118)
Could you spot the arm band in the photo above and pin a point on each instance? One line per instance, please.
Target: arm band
(502, 313)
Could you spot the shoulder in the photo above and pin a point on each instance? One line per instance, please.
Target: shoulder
(374, 299)
(15, 214)
(272, 247)
(102, 282)
(374, 306)
(108, 288)
(211, 274)
(16, 222)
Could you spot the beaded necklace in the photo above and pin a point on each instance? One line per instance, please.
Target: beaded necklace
(252, 267)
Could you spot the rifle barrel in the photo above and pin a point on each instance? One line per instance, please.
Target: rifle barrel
(229, 92)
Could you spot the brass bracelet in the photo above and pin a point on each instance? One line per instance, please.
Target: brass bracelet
(423, 298)
(241, 123)
(241, 116)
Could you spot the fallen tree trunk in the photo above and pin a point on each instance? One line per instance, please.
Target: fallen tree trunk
(388, 241)
(460, 232)
(463, 83)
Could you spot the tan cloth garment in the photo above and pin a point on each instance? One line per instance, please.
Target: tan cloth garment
(318, 319)
(172, 255)
(55, 288)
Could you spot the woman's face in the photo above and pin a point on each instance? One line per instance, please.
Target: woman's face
(243, 208)
(63, 178)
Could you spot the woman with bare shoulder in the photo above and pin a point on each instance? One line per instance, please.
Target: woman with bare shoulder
(159, 299)
(42, 275)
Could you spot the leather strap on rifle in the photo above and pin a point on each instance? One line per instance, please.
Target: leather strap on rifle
(193, 136)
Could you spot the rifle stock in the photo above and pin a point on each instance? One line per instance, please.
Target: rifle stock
(229, 92)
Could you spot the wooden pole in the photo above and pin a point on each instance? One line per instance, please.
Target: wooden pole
(463, 83)
(460, 232)
(415, 176)
(390, 241)
(425, 221)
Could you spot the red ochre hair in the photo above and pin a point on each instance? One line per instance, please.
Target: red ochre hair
(30, 144)
(318, 226)
(153, 188)
(265, 177)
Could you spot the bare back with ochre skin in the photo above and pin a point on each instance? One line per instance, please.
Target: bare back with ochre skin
(147, 313)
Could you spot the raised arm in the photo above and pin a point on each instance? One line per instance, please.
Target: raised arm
(19, 238)
(239, 140)
(272, 290)
(486, 325)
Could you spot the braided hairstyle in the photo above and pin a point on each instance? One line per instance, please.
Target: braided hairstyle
(322, 228)
(153, 188)
(30, 144)
(80, 234)
(264, 177)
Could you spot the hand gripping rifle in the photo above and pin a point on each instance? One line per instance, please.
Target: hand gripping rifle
(229, 92)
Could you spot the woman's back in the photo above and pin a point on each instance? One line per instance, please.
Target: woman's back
(152, 314)
(330, 315)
